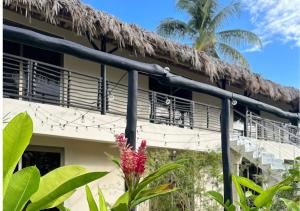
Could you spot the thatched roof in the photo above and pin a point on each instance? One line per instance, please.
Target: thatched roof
(82, 19)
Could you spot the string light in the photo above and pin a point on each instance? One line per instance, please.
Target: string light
(62, 123)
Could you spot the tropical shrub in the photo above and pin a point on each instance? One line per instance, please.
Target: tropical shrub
(26, 189)
(202, 170)
(132, 164)
(257, 198)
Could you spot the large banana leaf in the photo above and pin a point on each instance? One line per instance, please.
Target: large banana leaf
(91, 201)
(60, 182)
(151, 193)
(153, 176)
(22, 185)
(16, 137)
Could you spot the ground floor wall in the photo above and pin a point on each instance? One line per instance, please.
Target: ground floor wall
(90, 155)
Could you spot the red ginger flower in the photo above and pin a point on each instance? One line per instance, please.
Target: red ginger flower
(131, 161)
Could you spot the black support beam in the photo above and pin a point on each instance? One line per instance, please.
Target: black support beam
(131, 117)
(225, 143)
(103, 79)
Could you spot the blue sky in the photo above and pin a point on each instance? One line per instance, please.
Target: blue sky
(278, 24)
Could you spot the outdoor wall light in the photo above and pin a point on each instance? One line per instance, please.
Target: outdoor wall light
(234, 102)
(168, 101)
(166, 69)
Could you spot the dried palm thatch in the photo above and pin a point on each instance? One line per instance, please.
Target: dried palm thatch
(82, 19)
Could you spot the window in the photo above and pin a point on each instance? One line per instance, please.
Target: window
(45, 158)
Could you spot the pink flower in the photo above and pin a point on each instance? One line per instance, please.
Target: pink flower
(132, 162)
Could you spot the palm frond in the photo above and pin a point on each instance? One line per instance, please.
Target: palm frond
(239, 38)
(231, 54)
(227, 12)
(171, 28)
(186, 5)
(205, 41)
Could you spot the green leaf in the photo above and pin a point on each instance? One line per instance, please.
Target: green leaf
(217, 197)
(90, 199)
(239, 190)
(62, 208)
(267, 195)
(231, 208)
(151, 193)
(249, 184)
(122, 203)
(60, 199)
(113, 159)
(291, 205)
(22, 185)
(60, 182)
(120, 207)
(16, 137)
(102, 202)
(155, 175)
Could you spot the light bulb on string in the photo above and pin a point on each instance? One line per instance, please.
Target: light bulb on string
(76, 128)
(82, 119)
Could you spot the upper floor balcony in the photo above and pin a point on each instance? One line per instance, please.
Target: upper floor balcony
(36, 81)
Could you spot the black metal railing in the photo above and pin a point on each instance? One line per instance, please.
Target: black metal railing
(267, 129)
(32, 80)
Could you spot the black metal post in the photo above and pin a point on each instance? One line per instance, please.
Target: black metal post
(131, 118)
(68, 89)
(246, 122)
(30, 80)
(103, 77)
(225, 139)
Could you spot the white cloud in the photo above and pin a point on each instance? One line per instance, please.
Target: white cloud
(276, 19)
(255, 48)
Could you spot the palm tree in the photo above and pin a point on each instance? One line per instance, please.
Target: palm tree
(203, 28)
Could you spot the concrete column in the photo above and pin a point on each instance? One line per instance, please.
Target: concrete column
(236, 161)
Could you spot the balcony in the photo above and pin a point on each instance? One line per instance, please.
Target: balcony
(31, 80)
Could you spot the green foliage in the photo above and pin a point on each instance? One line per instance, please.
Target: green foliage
(291, 198)
(55, 187)
(21, 186)
(16, 137)
(291, 205)
(138, 193)
(102, 202)
(90, 199)
(199, 170)
(48, 191)
(262, 198)
(205, 29)
(92, 203)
